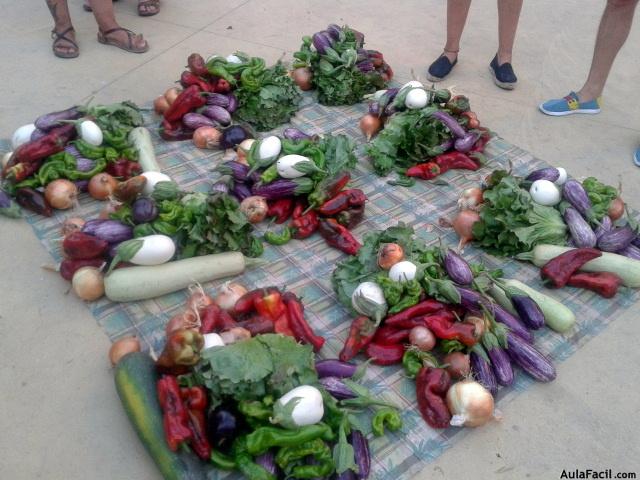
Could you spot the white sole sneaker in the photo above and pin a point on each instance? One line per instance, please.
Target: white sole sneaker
(587, 111)
(503, 85)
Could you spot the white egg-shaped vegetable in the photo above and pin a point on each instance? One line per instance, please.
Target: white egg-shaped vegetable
(544, 192)
(155, 250)
(562, 177)
(152, 179)
(307, 409)
(90, 132)
(379, 94)
(5, 158)
(269, 147)
(233, 59)
(412, 84)
(367, 298)
(212, 340)
(292, 166)
(404, 271)
(22, 135)
(416, 98)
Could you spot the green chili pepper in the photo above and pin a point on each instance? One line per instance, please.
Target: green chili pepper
(89, 151)
(117, 140)
(278, 238)
(111, 154)
(414, 359)
(255, 409)
(129, 153)
(290, 147)
(143, 230)
(270, 174)
(288, 458)
(386, 417)
(244, 461)
(264, 438)
(406, 302)
(100, 165)
(222, 461)
(392, 290)
(164, 228)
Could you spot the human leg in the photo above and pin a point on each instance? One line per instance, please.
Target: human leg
(64, 43)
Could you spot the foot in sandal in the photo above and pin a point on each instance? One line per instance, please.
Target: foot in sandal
(124, 39)
(147, 8)
(64, 43)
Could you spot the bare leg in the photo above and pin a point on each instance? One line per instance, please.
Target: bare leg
(508, 15)
(105, 17)
(62, 21)
(457, 11)
(613, 32)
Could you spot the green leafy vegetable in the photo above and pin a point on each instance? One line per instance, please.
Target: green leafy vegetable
(600, 195)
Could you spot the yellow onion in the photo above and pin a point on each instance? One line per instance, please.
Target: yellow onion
(470, 404)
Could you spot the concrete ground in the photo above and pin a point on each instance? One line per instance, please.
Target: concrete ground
(61, 418)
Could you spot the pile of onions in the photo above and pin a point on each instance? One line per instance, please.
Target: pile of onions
(102, 185)
(61, 194)
(121, 347)
(463, 225)
(228, 295)
(470, 404)
(88, 283)
(198, 299)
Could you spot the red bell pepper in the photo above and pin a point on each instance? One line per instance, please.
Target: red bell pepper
(605, 284)
(432, 385)
(387, 335)
(423, 308)
(189, 78)
(455, 160)
(558, 270)
(174, 413)
(444, 327)
(425, 171)
(214, 319)
(361, 333)
(338, 236)
(188, 100)
(385, 354)
(281, 209)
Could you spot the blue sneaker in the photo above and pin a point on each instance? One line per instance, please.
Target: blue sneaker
(636, 157)
(440, 68)
(503, 75)
(569, 105)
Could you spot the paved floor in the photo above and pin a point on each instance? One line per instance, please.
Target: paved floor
(60, 415)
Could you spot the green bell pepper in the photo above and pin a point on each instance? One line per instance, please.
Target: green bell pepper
(386, 417)
(264, 438)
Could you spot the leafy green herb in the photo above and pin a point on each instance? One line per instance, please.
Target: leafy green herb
(600, 195)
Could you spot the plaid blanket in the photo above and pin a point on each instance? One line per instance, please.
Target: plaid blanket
(305, 267)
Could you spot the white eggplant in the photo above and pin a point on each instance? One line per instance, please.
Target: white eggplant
(90, 132)
(416, 99)
(368, 299)
(299, 407)
(22, 135)
(152, 179)
(404, 271)
(294, 166)
(269, 147)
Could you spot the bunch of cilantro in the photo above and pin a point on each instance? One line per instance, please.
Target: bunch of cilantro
(511, 222)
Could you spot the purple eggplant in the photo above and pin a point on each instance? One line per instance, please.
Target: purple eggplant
(197, 120)
(72, 150)
(294, 134)
(581, 233)
(283, 188)
(7, 207)
(337, 388)
(616, 239)
(574, 193)
(82, 185)
(144, 210)
(335, 368)
(604, 226)
(464, 144)
(111, 231)
(365, 66)
(446, 145)
(361, 453)
(529, 359)
(451, 123)
(472, 300)
(237, 170)
(390, 110)
(334, 31)
(36, 134)
(240, 191)
(549, 173)
(457, 268)
(374, 109)
(222, 427)
(217, 114)
(346, 475)
(362, 55)
(528, 311)
(233, 136)
(218, 99)
(631, 252)
(501, 366)
(482, 370)
(223, 185)
(52, 120)
(33, 200)
(321, 42)
(84, 164)
(268, 462)
(233, 103)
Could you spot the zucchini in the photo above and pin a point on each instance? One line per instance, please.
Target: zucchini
(626, 268)
(556, 315)
(135, 377)
(500, 296)
(143, 282)
(141, 139)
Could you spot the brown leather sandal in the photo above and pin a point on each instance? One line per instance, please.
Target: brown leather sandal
(73, 52)
(129, 47)
(149, 8)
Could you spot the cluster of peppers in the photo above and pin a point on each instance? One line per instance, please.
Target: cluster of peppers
(564, 270)
(196, 82)
(337, 212)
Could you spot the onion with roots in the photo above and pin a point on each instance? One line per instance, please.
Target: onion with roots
(463, 225)
(302, 78)
(458, 364)
(198, 299)
(470, 404)
(61, 194)
(389, 254)
(171, 94)
(370, 125)
(102, 185)
(470, 199)
(122, 347)
(185, 320)
(72, 224)
(88, 283)
(616, 209)
(228, 295)
(422, 338)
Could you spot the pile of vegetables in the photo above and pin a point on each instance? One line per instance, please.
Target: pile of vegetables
(423, 133)
(300, 180)
(243, 398)
(71, 151)
(335, 62)
(213, 91)
(442, 318)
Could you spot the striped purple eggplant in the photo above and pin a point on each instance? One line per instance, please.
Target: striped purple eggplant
(605, 225)
(240, 191)
(374, 108)
(581, 233)
(365, 66)
(528, 311)
(616, 239)
(334, 31)
(237, 170)
(337, 388)
(218, 99)
(631, 252)
(361, 453)
(216, 113)
(82, 185)
(482, 370)
(111, 231)
(501, 366)
(222, 185)
(574, 193)
(84, 164)
(268, 462)
(451, 123)
(457, 268)
(37, 134)
(51, 120)
(529, 359)
(321, 42)
(549, 173)
(197, 120)
(283, 188)
(446, 145)
(294, 134)
(464, 144)
(335, 368)
(233, 103)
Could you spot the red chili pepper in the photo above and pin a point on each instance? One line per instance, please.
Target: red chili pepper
(328, 188)
(425, 171)
(80, 246)
(478, 147)
(432, 385)
(419, 310)
(558, 270)
(33, 200)
(188, 78)
(246, 303)
(351, 218)
(214, 319)
(338, 236)
(387, 335)
(175, 417)
(445, 328)
(361, 333)
(188, 100)
(257, 325)
(456, 160)
(222, 86)
(197, 65)
(270, 305)
(123, 169)
(342, 201)
(69, 266)
(281, 208)
(305, 225)
(194, 398)
(282, 325)
(299, 208)
(605, 284)
(385, 354)
(302, 331)
(177, 134)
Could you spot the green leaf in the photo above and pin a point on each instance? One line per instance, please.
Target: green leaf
(343, 454)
